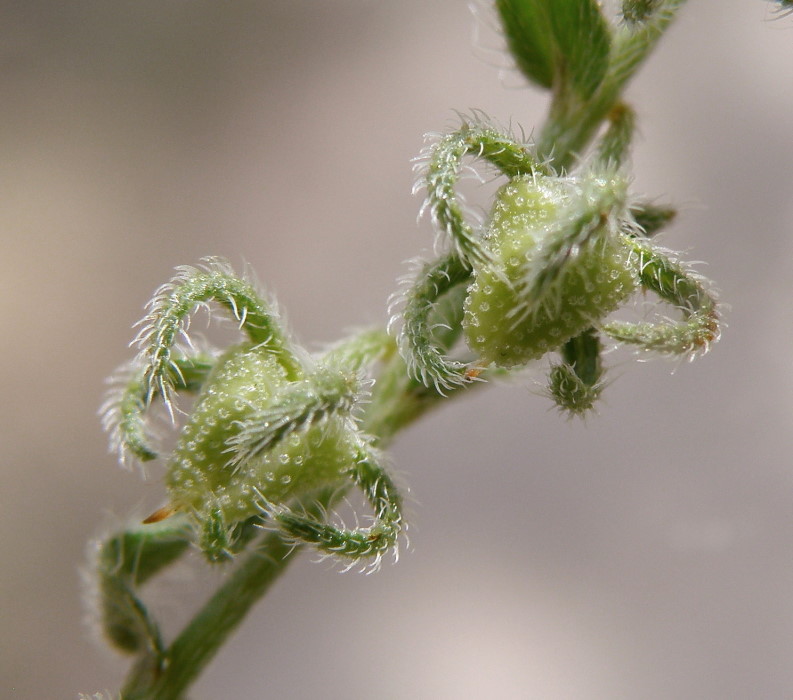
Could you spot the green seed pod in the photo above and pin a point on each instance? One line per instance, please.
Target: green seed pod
(251, 439)
(557, 267)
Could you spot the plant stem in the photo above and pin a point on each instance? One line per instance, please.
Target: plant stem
(398, 401)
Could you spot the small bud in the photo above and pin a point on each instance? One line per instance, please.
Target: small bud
(576, 384)
(570, 393)
(636, 11)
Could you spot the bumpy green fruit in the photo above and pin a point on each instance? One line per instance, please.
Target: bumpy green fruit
(202, 476)
(505, 322)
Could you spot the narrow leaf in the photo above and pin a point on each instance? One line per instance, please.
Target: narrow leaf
(529, 38)
(583, 43)
(563, 44)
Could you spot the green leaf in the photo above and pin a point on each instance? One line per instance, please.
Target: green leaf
(124, 563)
(529, 38)
(558, 43)
(141, 552)
(583, 42)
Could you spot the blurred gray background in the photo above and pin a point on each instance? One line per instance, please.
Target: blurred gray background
(646, 553)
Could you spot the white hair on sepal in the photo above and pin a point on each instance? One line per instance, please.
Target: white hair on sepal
(425, 362)
(192, 288)
(439, 167)
(111, 412)
(297, 408)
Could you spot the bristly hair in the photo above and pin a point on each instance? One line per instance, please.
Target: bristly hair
(683, 289)
(165, 327)
(310, 402)
(411, 308)
(123, 417)
(439, 167)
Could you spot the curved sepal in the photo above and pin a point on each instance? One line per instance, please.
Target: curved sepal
(419, 343)
(686, 291)
(370, 543)
(169, 317)
(586, 226)
(440, 166)
(124, 409)
(651, 218)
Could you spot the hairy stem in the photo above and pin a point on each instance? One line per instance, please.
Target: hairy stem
(165, 672)
(397, 401)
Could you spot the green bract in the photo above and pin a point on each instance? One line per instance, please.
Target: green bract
(557, 256)
(518, 308)
(272, 431)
